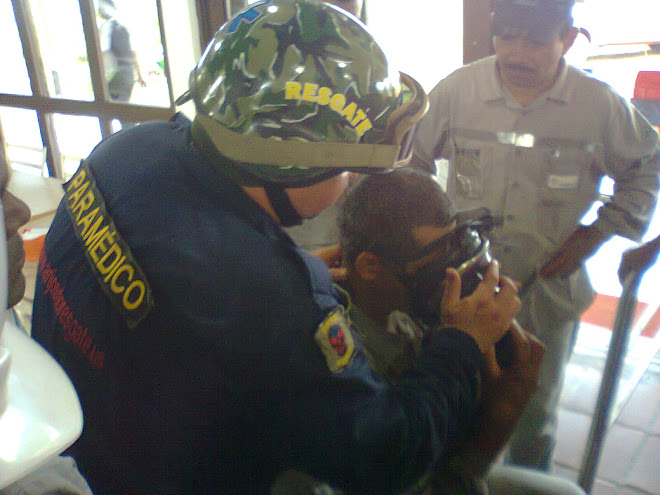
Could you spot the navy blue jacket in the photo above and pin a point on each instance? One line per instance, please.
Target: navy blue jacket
(221, 385)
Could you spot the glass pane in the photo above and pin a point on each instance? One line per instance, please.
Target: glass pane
(62, 44)
(25, 148)
(625, 40)
(409, 50)
(76, 137)
(15, 77)
(183, 48)
(133, 52)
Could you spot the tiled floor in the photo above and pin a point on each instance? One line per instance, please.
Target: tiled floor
(630, 458)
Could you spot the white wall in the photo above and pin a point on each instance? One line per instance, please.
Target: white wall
(424, 38)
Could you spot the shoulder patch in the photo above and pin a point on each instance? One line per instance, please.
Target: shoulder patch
(110, 258)
(336, 341)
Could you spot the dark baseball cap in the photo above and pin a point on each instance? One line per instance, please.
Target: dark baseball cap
(536, 20)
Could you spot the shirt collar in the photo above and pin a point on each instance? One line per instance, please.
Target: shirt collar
(493, 90)
(559, 91)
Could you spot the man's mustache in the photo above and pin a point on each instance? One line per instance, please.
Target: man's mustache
(519, 67)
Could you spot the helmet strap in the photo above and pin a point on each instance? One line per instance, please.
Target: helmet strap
(281, 203)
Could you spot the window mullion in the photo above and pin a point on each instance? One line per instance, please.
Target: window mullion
(102, 109)
(38, 83)
(211, 14)
(166, 58)
(95, 58)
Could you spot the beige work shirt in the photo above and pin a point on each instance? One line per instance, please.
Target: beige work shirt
(540, 166)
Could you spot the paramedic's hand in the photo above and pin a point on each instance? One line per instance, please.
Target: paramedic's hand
(486, 314)
(331, 255)
(574, 251)
(505, 395)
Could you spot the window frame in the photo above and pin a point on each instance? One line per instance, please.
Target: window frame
(101, 106)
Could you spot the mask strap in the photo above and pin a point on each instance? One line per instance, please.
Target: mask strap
(281, 203)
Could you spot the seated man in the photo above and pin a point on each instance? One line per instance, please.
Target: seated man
(387, 224)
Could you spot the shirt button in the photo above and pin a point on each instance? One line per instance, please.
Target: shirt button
(510, 218)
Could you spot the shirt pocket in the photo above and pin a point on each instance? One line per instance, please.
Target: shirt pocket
(568, 186)
(472, 162)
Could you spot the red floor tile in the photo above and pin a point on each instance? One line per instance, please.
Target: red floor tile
(603, 311)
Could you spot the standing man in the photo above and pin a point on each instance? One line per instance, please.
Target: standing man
(119, 59)
(530, 138)
(208, 350)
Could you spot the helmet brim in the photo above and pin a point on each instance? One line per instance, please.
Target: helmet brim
(394, 150)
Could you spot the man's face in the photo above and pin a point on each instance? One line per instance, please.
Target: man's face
(16, 214)
(311, 200)
(530, 64)
(431, 265)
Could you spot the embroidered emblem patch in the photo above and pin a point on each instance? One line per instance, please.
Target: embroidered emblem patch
(109, 257)
(335, 339)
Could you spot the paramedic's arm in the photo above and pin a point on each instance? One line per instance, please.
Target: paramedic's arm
(365, 435)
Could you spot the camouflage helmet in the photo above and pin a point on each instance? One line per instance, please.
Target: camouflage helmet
(296, 91)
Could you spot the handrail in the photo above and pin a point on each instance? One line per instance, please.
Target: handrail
(616, 355)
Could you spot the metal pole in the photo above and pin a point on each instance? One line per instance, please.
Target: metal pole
(616, 356)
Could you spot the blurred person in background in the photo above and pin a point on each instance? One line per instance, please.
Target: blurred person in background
(120, 60)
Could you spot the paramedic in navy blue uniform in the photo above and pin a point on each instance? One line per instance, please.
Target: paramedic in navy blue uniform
(208, 351)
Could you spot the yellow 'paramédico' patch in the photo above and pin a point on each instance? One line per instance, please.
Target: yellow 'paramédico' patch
(109, 257)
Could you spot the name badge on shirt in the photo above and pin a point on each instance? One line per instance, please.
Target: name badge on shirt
(563, 181)
(336, 341)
